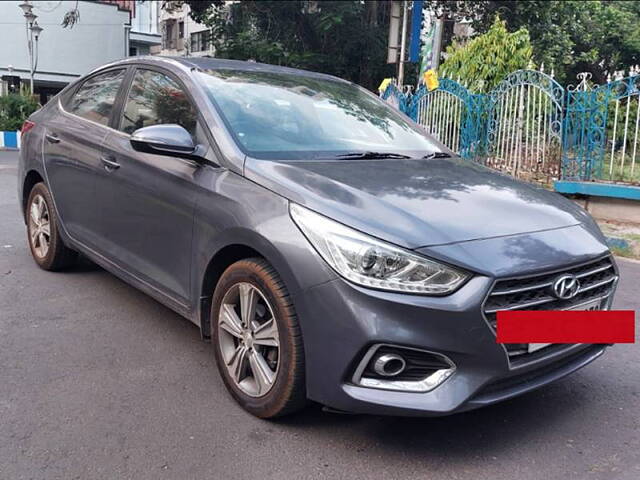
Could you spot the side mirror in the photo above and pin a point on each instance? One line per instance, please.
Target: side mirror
(166, 139)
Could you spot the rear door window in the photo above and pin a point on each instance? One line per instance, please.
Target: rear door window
(94, 100)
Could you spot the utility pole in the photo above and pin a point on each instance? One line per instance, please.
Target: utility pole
(437, 43)
(403, 43)
(33, 33)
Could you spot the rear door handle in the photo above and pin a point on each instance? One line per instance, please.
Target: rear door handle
(52, 138)
(109, 163)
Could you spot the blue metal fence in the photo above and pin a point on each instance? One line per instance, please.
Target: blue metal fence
(533, 128)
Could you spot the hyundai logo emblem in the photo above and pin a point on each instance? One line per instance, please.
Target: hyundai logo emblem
(566, 286)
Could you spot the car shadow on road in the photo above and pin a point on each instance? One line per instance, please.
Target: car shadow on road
(486, 431)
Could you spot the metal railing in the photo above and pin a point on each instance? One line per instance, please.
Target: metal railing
(533, 128)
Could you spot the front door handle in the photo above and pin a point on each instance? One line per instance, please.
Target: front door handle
(109, 163)
(52, 138)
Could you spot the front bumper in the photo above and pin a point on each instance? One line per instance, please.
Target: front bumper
(341, 322)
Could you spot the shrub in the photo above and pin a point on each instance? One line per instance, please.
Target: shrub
(14, 110)
(484, 61)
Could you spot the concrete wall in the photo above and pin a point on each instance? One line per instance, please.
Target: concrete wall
(101, 36)
(613, 209)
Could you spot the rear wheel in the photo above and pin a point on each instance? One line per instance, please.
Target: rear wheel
(257, 340)
(45, 243)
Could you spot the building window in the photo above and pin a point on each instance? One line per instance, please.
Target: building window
(133, 51)
(181, 30)
(168, 39)
(201, 41)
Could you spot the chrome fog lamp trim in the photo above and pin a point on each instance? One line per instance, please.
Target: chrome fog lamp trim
(418, 386)
(415, 386)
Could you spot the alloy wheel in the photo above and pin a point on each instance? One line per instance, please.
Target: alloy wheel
(248, 339)
(39, 226)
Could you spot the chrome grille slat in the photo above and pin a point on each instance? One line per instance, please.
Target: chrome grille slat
(598, 284)
(522, 305)
(597, 278)
(520, 289)
(594, 271)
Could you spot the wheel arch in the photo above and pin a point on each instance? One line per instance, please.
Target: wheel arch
(244, 245)
(32, 178)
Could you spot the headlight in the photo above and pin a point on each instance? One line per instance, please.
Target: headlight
(372, 263)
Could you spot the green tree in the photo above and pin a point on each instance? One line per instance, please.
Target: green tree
(568, 36)
(343, 38)
(484, 61)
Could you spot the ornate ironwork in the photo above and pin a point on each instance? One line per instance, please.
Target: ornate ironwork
(394, 96)
(532, 127)
(446, 113)
(524, 125)
(601, 131)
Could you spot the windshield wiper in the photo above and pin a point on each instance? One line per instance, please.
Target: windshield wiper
(371, 155)
(437, 155)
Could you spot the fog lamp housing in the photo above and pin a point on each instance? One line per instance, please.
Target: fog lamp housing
(402, 369)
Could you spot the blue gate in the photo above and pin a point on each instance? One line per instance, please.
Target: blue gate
(524, 126)
(531, 127)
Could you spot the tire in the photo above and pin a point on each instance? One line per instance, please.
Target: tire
(45, 243)
(265, 394)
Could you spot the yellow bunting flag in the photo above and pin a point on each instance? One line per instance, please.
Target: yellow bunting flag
(431, 79)
(384, 84)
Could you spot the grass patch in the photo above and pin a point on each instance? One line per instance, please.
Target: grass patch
(623, 252)
(621, 174)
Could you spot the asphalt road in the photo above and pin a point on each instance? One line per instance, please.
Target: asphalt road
(99, 381)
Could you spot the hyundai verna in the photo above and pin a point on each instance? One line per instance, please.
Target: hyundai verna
(328, 248)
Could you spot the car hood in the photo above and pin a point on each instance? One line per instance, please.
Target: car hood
(418, 203)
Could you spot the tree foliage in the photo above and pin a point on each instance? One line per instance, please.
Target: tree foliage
(568, 36)
(14, 110)
(484, 61)
(343, 38)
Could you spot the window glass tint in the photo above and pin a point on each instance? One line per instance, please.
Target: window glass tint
(95, 98)
(155, 99)
(282, 115)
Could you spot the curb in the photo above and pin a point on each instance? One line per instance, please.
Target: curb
(626, 259)
(10, 140)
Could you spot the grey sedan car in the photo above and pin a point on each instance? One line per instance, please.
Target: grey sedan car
(327, 246)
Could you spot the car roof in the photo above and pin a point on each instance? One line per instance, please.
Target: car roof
(210, 63)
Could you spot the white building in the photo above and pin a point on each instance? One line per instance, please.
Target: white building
(181, 35)
(145, 32)
(106, 31)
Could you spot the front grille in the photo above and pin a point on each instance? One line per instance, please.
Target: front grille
(597, 280)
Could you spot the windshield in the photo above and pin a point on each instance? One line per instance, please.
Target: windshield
(287, 116)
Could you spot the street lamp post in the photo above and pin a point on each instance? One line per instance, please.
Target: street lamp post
(33, 33)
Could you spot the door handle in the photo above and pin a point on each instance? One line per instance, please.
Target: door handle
(109, 163)
(52, 138)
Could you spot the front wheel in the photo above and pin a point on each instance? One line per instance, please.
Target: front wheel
(257, 340)
(45, 242)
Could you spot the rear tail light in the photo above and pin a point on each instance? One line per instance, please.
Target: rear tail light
(26, 126)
